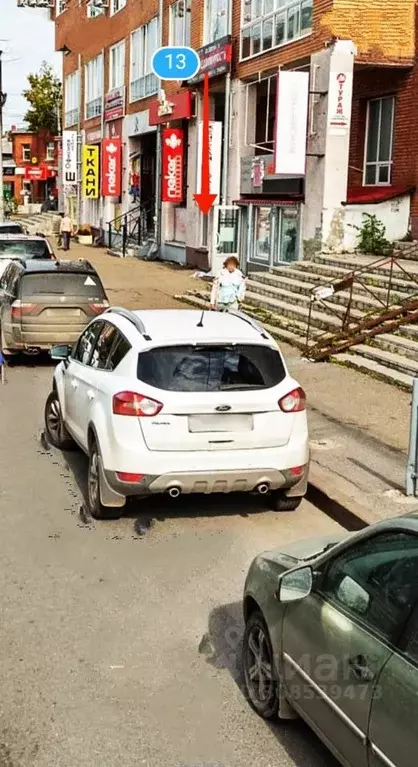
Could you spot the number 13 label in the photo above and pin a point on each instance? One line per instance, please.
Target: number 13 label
(175, 63)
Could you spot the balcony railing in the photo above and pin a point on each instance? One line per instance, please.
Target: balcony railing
(93, 108)
(143, 87)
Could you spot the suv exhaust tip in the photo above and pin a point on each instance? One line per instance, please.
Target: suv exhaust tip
(32, 351)
(263, 488)
(174, 492)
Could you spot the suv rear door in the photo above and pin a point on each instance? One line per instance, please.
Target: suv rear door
(57, 305)
(216, 396)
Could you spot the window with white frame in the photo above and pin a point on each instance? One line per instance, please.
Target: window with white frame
(93, 87)
(50, 152)
(144, 42)
(379, 141)
(267, 24)
(60, 7)
(26, 153)
(116, 5)
(216, 20)
(95, 8)
(72, 99)
(117, 66)
(180, 22)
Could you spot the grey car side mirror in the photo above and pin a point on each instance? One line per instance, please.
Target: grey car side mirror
(295, 585)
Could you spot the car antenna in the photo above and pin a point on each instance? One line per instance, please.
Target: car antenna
(200, 323)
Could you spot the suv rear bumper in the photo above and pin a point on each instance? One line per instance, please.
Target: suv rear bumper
(207, 482)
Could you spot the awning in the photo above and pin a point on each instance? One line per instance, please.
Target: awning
(372, 195)
(267, 201)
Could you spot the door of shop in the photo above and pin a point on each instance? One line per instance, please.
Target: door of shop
(270, 234)
(225, 234)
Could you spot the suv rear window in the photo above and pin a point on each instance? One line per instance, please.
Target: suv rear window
(211, 368)
(24, 249)
(63, 283)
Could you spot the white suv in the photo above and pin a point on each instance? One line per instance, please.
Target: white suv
(179, 401)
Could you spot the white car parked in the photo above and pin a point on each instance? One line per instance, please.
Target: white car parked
(179, 401)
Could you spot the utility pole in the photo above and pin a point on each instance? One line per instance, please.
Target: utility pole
(2, 103)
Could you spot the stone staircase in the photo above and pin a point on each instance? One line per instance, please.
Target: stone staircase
(44, 223)
(280, 298)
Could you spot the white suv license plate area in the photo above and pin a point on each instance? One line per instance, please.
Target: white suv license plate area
(230, 422)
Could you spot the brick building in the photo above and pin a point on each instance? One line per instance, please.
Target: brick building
(360, 65)
(32, 169)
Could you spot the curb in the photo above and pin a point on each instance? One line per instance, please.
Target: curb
(325, 492)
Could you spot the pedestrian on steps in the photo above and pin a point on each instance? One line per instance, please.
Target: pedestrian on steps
(228, 288)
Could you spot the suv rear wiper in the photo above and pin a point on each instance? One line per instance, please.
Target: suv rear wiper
(241, 387)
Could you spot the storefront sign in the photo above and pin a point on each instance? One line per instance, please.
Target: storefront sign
(172, 161)
(111, 167)
(115, 129)
(90, 172)
(36, 174)
(215, 59)
(291, 123)
(139, 123)
(340, 95)
(215, 154)
(93, 136)
(114, 104)
(69, 155)
(257, 172)
(178, 107)
(8, 171)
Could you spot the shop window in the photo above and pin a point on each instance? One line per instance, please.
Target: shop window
(274, 234)
(26, 153)
(379, 141)
(216, 20)
(180, 22)
(116, 5)
(72, 99)
(267, 24)
(93, 86)
(50, 152)
(144, 43)
(117, 66)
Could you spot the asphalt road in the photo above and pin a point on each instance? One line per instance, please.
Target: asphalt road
(101, 623)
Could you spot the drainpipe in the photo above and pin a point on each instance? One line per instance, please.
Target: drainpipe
(227, 119)
(102, 124)
(80, 104)
(158, 163)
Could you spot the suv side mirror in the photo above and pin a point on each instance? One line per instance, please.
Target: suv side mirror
(295, 585)
(61, 352)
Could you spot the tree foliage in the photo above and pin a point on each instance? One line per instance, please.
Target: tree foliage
(44, 96)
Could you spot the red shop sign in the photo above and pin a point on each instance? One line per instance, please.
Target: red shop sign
(111, 167)
(36, 174)
(178, 107)
(173, 153)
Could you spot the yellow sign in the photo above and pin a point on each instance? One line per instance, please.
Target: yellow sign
(90, 172)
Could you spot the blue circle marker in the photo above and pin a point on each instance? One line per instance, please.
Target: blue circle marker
(175, 62)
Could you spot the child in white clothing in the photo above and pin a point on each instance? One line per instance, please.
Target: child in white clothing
(228, 288)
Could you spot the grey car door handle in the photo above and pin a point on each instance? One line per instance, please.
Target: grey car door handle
(361, 671)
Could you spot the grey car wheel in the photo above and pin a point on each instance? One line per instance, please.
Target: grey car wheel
(259, 672)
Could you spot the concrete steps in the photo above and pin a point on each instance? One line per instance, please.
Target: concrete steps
(280, 299)
(45, 223)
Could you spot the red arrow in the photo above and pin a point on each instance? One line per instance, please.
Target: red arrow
(204, 198)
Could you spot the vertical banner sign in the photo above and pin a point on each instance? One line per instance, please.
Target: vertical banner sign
(111, 167)
(339, 100)
(172, 165)
(215, 154)
(90, 172)
(69, 157)
(291, 130)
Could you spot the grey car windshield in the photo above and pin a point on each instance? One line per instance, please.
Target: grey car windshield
(211, 368)
(24, 249)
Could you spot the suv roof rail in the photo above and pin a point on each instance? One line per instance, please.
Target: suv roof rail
(254, 324)
(131, 317)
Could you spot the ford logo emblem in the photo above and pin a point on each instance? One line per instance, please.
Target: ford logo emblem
(223, 408)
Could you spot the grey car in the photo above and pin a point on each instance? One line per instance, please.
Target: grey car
(43, 303)
(331, 634)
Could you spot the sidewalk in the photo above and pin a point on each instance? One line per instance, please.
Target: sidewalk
(359, 426)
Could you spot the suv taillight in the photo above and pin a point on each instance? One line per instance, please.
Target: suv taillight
(99, 308)
(20, 309)
(294, 402)
(132, 403)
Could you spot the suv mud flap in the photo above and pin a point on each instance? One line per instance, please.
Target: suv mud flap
(108, 497)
